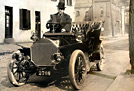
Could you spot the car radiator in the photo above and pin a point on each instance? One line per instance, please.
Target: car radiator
(42, 51)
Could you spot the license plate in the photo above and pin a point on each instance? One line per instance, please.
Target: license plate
(43, 73)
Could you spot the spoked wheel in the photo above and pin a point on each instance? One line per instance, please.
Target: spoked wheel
(16, 73)
(100, 65)
(77, 69)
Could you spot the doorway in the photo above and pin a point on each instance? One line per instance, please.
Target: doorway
(37, 24)
(8, 22)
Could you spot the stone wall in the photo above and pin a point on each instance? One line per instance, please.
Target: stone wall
(81, 7)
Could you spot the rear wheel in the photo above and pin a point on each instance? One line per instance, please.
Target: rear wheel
(16, 73)
(100, 65)
(77, 69)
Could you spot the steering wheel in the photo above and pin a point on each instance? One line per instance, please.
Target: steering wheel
(54, 26)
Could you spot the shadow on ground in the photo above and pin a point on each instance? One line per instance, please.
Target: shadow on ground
(60, 81)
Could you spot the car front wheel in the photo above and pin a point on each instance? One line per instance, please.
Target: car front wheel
(16, 73)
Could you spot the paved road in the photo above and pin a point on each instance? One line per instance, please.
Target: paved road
(116, 62)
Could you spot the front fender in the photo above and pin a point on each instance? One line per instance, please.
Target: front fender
(25, 51)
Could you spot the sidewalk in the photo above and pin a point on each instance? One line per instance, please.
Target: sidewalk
(123, 82)
(10, 48)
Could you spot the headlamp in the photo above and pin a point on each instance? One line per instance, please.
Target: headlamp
(18, 56)
(57, 57)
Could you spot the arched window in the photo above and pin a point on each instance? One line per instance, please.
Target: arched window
(77, 13)
(101, 11)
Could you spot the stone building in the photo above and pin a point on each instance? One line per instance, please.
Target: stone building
(83, 10)
(100, 10)
(18, 18)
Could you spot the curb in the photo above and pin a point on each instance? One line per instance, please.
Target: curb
(10, 48)
(122, 83)
(4, 53)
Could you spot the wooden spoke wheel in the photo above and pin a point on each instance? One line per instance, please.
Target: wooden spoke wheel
(16, 73)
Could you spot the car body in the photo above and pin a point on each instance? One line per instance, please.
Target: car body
(73, 52)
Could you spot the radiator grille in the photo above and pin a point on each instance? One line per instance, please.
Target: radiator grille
(41, 53)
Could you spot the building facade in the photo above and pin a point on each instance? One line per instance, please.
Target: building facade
(101, 10)
(83, 10)
(18, 18)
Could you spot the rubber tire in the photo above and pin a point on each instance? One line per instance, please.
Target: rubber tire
(11, 76)
(99, 65)
(72, 67)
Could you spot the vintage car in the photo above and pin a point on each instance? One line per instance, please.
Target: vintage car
(73, 52)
